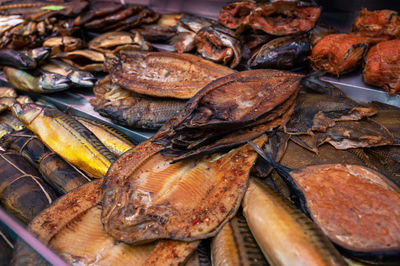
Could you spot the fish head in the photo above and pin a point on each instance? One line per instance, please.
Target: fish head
(39, 54)
(26, 112)
(83, 78)
(52, 82)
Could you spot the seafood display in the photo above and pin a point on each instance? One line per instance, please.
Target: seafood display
(338, 53)
(382, 65)
(257, 158)
(67, 137)
(163, 74)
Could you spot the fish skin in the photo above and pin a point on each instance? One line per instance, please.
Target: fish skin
(166, 214)
(67, 137)
(45, 83)
(114, 140)
(16, 59)
(7, 92)
(163, 74)
(73, 57)
(219, 44)
(235, 245)
(63, 44)
(60, 175)
(285, 235)
(133, 110)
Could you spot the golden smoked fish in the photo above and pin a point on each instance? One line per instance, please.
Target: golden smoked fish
(147, 197)
(72, 227)
(67, 137)
(114, 140)
(235, 245)
(285, 235)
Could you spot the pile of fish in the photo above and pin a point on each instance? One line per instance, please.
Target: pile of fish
(252, 167)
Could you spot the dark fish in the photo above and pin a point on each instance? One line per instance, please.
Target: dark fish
(163, 74)
(162, 30)
(350, 203)
(239, 100)
(39, 55)
(387, 160)
(317, 112)
(133, 110)
(219, 44)
(282, 53)
(23, 192)
(98, 9)
(16, 59)
(235, 245)
(60, 175)
(284, 234)
(313, 83)
(186, 29)
(9, 119)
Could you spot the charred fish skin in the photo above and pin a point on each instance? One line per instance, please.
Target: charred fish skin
(45, 83)
(285, 235)
(282, 53)
(23, 192)
(16, 59)
(235, 245)
(60, 175)
(115, 141)
(67, 137)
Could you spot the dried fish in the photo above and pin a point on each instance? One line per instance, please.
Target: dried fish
(156, 204)
(112, 42)
(7, 102)
(23, 99)
(162, 30)
(351, 191)
(338, 53)
(284, 234)
(6, 246)
(282, 53)
(186, 29)
(378, 25)
(235, 245)
(67, 137)
(45, 83)
(163, 74)
(74, 220)
(16, 59)
(320, 31)
(239, 100)
(60, 175)
(23, 193)
(272, 17)
(86, 60)
(115, 141)
(8, 22)
(219, 44)
(317, 112)
(63, 44)
(5, 129)
(133, 110)
(78, 77)
(39, 55)
(382, 65)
